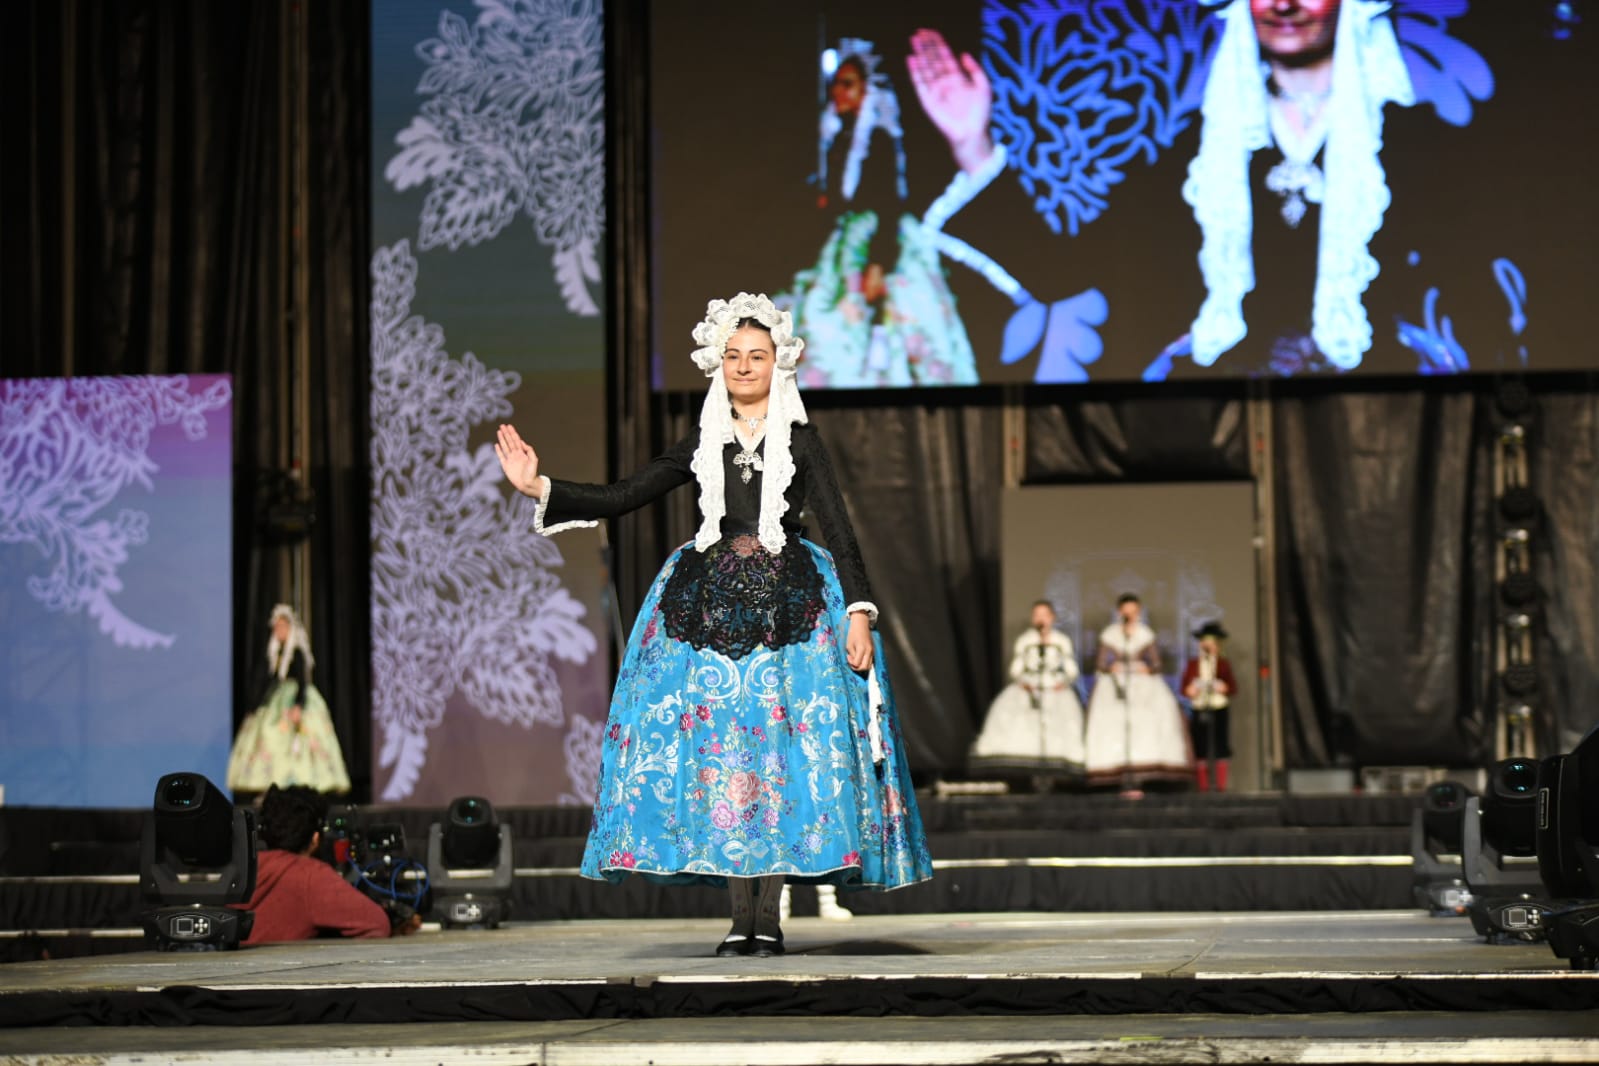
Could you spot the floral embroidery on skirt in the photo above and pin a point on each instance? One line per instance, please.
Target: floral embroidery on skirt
(716, 765)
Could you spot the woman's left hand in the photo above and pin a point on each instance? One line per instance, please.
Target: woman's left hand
(858, 644)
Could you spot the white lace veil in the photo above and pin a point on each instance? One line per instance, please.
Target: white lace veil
(1368, 72)
(784, 408)
(298, 639)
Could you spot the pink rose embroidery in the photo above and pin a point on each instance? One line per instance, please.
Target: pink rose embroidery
(743, 788)
(709, 775)
(722, 816)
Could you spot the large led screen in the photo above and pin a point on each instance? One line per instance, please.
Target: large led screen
(976, 191)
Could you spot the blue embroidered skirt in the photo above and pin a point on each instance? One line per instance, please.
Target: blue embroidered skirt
(717, 765)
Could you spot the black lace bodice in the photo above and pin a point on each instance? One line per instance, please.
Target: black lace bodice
(813, 492)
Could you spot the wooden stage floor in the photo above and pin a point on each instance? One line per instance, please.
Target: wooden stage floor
(1319, 986)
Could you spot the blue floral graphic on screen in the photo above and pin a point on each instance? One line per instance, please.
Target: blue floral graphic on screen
(1083, 89)
(1433, 339)
(1086, 89)
(1445, 72)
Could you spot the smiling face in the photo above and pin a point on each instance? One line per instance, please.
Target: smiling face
(1128, 611)
(280, 629)
(747, 364)
(1295, 32)
(1043, 616)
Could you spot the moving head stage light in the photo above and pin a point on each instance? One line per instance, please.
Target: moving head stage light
(1436, 830)
(1498, 841)
(470, 859)
(198, 856)
(1568, 850)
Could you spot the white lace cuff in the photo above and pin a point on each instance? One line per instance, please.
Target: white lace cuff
(863, 605)
(963, 189)
(538, 515)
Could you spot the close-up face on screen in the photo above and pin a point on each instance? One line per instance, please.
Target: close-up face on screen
(1011, 191)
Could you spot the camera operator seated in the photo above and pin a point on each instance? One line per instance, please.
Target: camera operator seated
(298, 896)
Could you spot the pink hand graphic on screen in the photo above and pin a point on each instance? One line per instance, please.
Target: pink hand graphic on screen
(956, 96)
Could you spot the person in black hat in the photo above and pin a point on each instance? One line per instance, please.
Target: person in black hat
(1209, 685)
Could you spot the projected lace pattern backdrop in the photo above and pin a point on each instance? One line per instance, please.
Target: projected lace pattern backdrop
(115, 585)
(489, 669)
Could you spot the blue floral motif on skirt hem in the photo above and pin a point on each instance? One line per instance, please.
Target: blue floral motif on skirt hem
(714, 767)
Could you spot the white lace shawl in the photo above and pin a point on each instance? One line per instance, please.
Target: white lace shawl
(784, 408)
(1368, 72)
(299, 640)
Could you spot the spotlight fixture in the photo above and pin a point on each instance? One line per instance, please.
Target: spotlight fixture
(469, 859)
(1568, 850)
(1436, 830)
(1498, 842)
(197, 856)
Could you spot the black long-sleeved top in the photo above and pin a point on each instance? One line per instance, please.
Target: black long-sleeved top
(299, 672)
(814, 484)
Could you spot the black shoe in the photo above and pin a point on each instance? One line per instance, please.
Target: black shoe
(733, 945)
(764, 947)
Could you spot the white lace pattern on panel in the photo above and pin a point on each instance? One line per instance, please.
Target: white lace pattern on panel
(584, 739)
(68, 447)
(513, 125)
(465, 604)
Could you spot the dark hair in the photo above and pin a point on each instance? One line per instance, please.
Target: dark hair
(849, 61)
(1128, 597)
(752, 323)
(1042, 603)
(291, 816)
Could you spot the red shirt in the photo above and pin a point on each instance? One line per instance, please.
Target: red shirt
(298, 898)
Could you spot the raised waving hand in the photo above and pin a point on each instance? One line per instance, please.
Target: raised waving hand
(519, 461)
(956, 96)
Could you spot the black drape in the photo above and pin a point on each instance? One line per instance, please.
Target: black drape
(149, 232)
(1385, 574)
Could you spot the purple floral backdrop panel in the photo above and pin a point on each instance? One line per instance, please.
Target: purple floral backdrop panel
(115, 586)
(490, 670)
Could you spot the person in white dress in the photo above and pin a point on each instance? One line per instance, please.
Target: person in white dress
(1135, 732)
(1035, 725)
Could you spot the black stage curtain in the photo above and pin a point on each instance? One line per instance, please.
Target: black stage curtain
(1387, 596)
(147, 233)
(1383, 547)
(1156, 436)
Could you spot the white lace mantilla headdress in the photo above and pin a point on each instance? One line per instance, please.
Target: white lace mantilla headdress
(784, 408)
(279, 655)
(1367, 72)
(879, 110)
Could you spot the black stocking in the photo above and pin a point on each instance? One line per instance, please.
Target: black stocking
(741, 890)
(768, 897)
